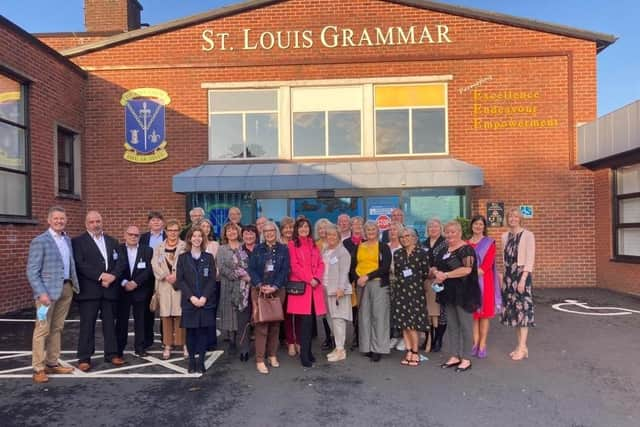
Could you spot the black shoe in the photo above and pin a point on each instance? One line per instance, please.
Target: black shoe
(375, 357)
(450, 365)
(142, 353)
(368, 354)
(328, 344)
(244, 357)
(459, 369)
(192, 366)
(201, 368)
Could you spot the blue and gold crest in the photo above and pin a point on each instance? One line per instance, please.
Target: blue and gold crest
(144, 114)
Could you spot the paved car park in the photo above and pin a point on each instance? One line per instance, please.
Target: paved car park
(582, 371)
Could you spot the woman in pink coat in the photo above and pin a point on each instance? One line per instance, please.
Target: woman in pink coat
(306, 267)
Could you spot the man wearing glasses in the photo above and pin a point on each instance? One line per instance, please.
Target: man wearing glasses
(136, 286)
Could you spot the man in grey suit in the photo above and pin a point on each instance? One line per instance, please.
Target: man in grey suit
(51, 272)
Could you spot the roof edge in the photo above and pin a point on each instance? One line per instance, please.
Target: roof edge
(29, 38)
(602, 40)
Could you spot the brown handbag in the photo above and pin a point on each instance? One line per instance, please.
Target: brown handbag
(154, 304)
(267, 308)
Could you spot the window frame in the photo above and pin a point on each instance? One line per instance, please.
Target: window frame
(617, 225)
(325, 113)
(75, 165)
(410, 109)
(243, 114)
(26, 128)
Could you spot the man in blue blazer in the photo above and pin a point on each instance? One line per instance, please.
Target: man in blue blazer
(51, 272)
(152, 238)
(136, 283)
(96, 256)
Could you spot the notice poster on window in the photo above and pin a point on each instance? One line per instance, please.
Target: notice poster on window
(379, 210)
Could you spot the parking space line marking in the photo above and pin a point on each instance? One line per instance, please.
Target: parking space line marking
(180, 372)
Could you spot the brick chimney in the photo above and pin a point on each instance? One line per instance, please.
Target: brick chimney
(111, 15)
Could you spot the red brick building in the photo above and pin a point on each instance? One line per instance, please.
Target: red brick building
(320, 107)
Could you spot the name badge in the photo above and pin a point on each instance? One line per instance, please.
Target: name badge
(446, 256)
(333, 260)
(269, 267)
(205, 271)
(115, 255)
(407, 272)
(142, 264)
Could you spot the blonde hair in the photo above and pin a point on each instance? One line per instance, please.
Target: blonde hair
(515, 210)
(455, 224)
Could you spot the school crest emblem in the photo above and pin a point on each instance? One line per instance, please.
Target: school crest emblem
(144, 114)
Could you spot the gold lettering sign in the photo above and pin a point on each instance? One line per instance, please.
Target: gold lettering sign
(330, 36)
(508, 109)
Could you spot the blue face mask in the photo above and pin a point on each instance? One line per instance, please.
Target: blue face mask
(42, 312)
(437, 287)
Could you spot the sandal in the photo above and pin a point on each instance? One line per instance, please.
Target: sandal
(407, 359)
(413, 362)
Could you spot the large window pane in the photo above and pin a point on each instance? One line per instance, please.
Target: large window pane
(628, 179)
(226, 135)
(392, 132)
(428, 131)
(629, 210)
(421, 205)
(13, 188)
(629, 241)
(259, 100)
(11, 100)
(308, 134)
(344, 133)
(262, 135)
(12, 147)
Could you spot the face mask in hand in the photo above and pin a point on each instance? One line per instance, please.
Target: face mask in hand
(437, 287)
(42, 312)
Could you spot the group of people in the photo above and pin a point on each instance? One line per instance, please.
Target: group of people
(389, 285)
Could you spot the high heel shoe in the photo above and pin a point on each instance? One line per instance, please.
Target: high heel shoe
(520, 354)
(482, 353)
(273, 361)
(474, 350)
(262, 368)
(292, 350)
(166, 352)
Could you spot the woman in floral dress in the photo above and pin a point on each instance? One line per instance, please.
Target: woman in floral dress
(411, 269)
(519, 255)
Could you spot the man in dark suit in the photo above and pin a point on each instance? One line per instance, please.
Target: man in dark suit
(397, 215)
(96, 256)
(152, 238)
(136, 285)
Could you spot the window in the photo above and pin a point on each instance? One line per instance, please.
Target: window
(627, 212)
(410, 119)
(243, 124)
(327, 121)
(68, 156)
(14, 162)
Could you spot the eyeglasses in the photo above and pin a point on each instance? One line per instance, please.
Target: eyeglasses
(173, 230)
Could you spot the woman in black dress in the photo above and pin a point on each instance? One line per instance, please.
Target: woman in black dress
(435, 244)
(196, 279)
(457, 271)
(411, 269)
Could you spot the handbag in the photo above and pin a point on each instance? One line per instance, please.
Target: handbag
(154, 304)
(295, 288)
(267, 308)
